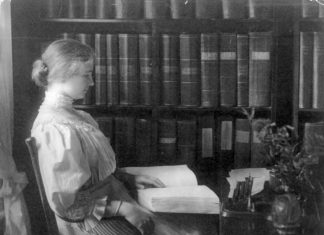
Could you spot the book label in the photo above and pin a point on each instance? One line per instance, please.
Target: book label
(167, 140)
(209, 55)
(242, 137)
(228, 55)
(258, 55)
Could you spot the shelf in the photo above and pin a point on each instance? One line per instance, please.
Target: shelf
(103, 109)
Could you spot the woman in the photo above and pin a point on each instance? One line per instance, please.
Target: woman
(77, 163)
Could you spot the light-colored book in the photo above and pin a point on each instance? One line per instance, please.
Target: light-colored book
(182, 193)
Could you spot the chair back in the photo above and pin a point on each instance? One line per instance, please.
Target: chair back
(49, 214)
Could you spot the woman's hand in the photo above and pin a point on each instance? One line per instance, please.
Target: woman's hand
(145, 181)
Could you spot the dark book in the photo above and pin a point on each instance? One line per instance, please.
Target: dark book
(143, 139)
(189, 75)
(88, 40)
(129, 9)
(100, 69)
(167, 141)
(106, 125)
(228, 67)
(146, 75)
(309, 9)
(156, 9)
(128, 69)
(208, 9)
(112, 69)
(258, 153)
(234, 9)
(306, 69)
(182, 9)
(87, 9)
(52, 9)
(209, 55)
(125, 141)
(225, 133)
(260, 68)
(187, 138)
(318, 75)
(105, 9)
(206, 137)
(242, 148)
(242, 70)
(170, 70)
(260, 9)
(71, 9)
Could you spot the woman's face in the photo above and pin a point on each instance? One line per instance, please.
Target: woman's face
(78, 84)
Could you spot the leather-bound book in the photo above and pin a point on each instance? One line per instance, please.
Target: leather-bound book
(70, 9)
(242, 70)
(106, 125)
(206, 137)
(234, 9)
(182, 9)
(189, 64)
(129, 9)
(242, 147)
(128, 69)
(105, 9)
(318, 75)
(170, 69)
(225, 135)
(143, 140)
(209, 55)
(100, 69)
(156, 9)
(208, 9)
(87, 9)
(52, 9)
(228, 67)
(260, 69)
(167, 141)
(261, 9)
(145, 61)
(112, 69)
(187, 142)
(125, 141)
(87, 39)
(306, 67)
(309, 9)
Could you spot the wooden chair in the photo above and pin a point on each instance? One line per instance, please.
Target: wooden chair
(49, 214)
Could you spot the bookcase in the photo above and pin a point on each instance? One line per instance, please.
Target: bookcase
(185, 127)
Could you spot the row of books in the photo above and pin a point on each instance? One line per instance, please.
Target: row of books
(311, 70)
(152, 9)
(184, 141)
(312, 9)
(207, 70)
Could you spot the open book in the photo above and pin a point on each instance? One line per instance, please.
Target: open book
(182, 193)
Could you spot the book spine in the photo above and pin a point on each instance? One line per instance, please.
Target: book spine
(129, 9)
(318, 81)
(125, 141)
(258, 156)
(182, 9)
(233, 9)
(320, 10)
(186, 133)
(226, 137)
(72, 9)
(167, 141)
(87, 9)
(209, 70)
(66, 35)
(101, 69)
(52, 9)
(145, 61)
(112, 69)
(242, 143)
(106, 125)
(259, 68)
(306, 69)
(143, 141)
(170, 70)
(208, 9)
(90, 95)
(309, 9)
(242, 70)
(260, 9)
(128, 69)
(189, 64)
(156, 9)
(228, 74)
(105, 9)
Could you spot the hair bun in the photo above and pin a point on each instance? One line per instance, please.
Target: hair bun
(40, 73)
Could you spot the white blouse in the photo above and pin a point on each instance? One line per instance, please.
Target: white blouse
(73, 152)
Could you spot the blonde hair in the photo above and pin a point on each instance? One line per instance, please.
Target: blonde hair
(58, 61)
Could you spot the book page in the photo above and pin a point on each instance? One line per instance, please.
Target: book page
(171, 176)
